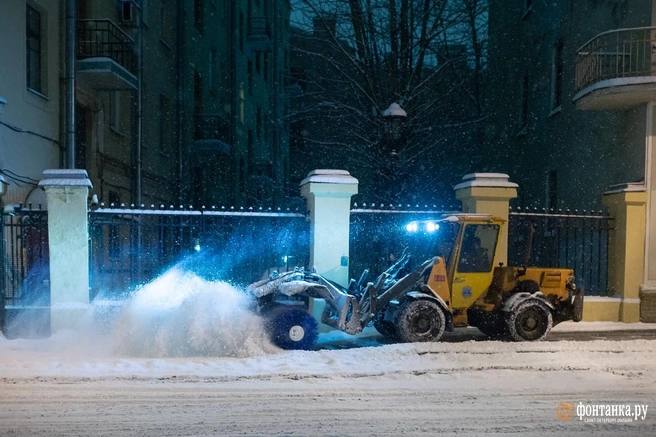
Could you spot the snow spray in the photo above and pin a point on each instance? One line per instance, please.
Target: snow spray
(181, 314)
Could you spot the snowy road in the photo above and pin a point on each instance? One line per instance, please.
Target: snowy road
(464, 387)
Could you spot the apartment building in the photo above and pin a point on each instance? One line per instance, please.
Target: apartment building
(572, 108)
(175, 101)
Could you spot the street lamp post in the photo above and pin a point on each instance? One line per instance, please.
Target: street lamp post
(394, 121)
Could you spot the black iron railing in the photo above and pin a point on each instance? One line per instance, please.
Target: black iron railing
(569, 239)
(104, 39)
(617, 53)
(25, 273)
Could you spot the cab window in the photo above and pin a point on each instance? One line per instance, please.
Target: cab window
(478, 244)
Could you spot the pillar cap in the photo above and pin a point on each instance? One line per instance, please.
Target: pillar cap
(490, 180)
(65, 178)
(329, 176)
(630, 187)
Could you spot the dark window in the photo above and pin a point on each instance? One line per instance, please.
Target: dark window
(258, 122)
(198, 14)
(250, 78)
(258, 64)
(251, 152)
(525, 94)
(558, 69)
(241, 31)
(552, 189)
(478, 246)
(198, 104)
(34, 50)
(266, 66)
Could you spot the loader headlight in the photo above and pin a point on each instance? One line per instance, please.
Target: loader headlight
(412, 227)
(432, 227)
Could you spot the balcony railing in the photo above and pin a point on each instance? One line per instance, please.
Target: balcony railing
(620, 53)
(104, 39)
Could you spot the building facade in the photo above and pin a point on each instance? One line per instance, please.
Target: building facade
(30, 95)
(573, 106)
(175, 101)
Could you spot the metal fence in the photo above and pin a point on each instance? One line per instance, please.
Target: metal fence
(577, 240)
(24, 254)
(132, 246)
(378, 235)
(616, 53)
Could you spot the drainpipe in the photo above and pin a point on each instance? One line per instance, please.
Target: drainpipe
(138, 186)
(71, 9)
(179, 53)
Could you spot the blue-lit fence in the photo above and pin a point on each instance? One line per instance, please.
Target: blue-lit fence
(132, 246)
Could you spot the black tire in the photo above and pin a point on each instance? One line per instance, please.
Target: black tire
(292, 328)
(530, 321)
(419, 320)
(384, 327)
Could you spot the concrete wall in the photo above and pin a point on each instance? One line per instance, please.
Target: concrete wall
(26, 110)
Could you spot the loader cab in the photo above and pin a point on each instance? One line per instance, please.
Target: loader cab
(469, 257)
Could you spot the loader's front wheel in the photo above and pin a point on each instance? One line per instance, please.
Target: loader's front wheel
(530, 321)
(292, 328)
(420, 320)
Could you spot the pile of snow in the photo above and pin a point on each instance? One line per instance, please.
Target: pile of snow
(181, 314)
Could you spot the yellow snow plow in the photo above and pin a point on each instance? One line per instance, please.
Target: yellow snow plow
(462, 287)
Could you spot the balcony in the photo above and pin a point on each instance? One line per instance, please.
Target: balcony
(617, 69)
(259, 34)
(105, 56)
(211, 134)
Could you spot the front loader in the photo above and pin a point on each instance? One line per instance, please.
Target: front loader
(465, 287)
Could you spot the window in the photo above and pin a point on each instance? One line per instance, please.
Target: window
(198, 104)
(198, 15)
(258, 122)
(478, 246)
(165, 27)
(258, 64)
(251, 152)
(557, 76)
(524, 107)
(211, 69)
(165, 125)
(551, 192)
(241, 32)
(266, 66)
(250, 78)
(115, 102)
(34, 50)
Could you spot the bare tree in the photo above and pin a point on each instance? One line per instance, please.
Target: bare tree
(352, 58)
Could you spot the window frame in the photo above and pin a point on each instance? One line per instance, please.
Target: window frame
(31, 54)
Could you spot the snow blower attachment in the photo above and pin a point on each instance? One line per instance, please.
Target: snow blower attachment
(411, 304)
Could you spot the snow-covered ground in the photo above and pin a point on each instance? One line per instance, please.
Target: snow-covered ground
(60, 386)
(186, 356)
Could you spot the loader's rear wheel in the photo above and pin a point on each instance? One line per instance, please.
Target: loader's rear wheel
(420, 320)
(530, 321)
(292, 328)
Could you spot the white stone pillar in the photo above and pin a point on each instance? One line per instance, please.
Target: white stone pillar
(68, 244)
(328, 196)
(648, 287)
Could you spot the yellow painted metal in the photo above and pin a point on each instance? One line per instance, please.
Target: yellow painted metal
(468, 287)
(439, 282)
